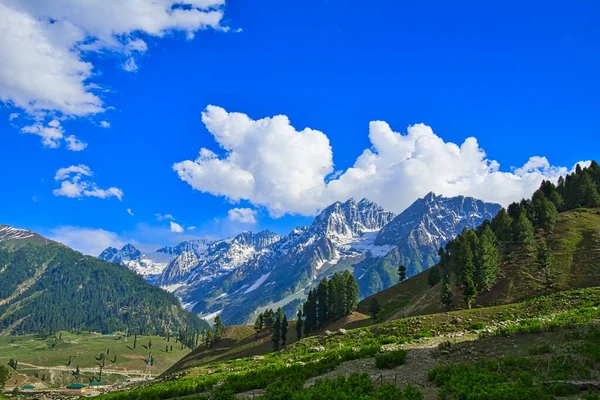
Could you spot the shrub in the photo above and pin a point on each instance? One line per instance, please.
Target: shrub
(478, 325)
(390, 359)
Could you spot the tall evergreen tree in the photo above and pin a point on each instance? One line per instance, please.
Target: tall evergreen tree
(269, 319)
(331, 312)
(523, 231)
(284, 330)
(351, 288)
(299, 325)
(501, 225)
(446, 296)
(310, 313)
(487, 261)
(339, 296)
(218, 328)
(323, 302)
(544, 262)
(402, 273)
(468, 267)
(259, 324)
(276, 339)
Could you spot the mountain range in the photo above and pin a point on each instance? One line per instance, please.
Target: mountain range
(45, 286)
(239, 277)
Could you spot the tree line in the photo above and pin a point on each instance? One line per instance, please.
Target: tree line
(276, 323)
(330, 300)
(473, 257)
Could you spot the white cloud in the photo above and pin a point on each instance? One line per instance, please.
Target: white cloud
(162, 217)
(89, 241)
(52, 134)
(13, 116)
(130, 212)
(175, 227)
(191, 228)
(74, 184)
(75, 144)
(269, 163)
(130, 65)
(44, 45)
(243, 215)
(104, 124)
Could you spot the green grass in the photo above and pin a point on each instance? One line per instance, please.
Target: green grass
(315, 356)
(37, 357)
(523, 377)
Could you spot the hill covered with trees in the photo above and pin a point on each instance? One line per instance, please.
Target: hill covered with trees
(49, 287)
(545, 244)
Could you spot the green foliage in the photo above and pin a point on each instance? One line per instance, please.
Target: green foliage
(402, 273)
(356, 386)
(299, 325)
(544, 262)
(323, 302)
(276, 339)
(479, 325)
(523, 231)
(72, 292)
(434, 276)
(331, 300)
(390, 359)
(487, 260)
(4, 375)
(219, 327)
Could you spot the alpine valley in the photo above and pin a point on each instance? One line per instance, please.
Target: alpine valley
(239, 277)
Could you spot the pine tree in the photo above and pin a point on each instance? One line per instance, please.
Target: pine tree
(468, 267)
(299, 325)
(402, 273)
(545, 211)
(487, 260)
(339, 296)
(523, 231)
(351, 288)
(277, 329)
(333, 291)
(446, 294)
(310, 311)
(323, 302)
(284, 330)
(269, 319)
(209, 338)
(258, 324)
(219, 328)
(544, 262)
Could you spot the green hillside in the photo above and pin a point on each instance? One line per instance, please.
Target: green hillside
(47, 288)
(412, 355)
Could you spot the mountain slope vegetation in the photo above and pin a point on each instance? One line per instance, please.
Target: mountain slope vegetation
(50, 287)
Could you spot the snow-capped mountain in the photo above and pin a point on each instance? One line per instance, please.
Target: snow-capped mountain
(342, 235)
(429, 223)
(149, 266)
(20, 237)
(238, 277)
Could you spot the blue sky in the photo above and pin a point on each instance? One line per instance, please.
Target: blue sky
(522, 79)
